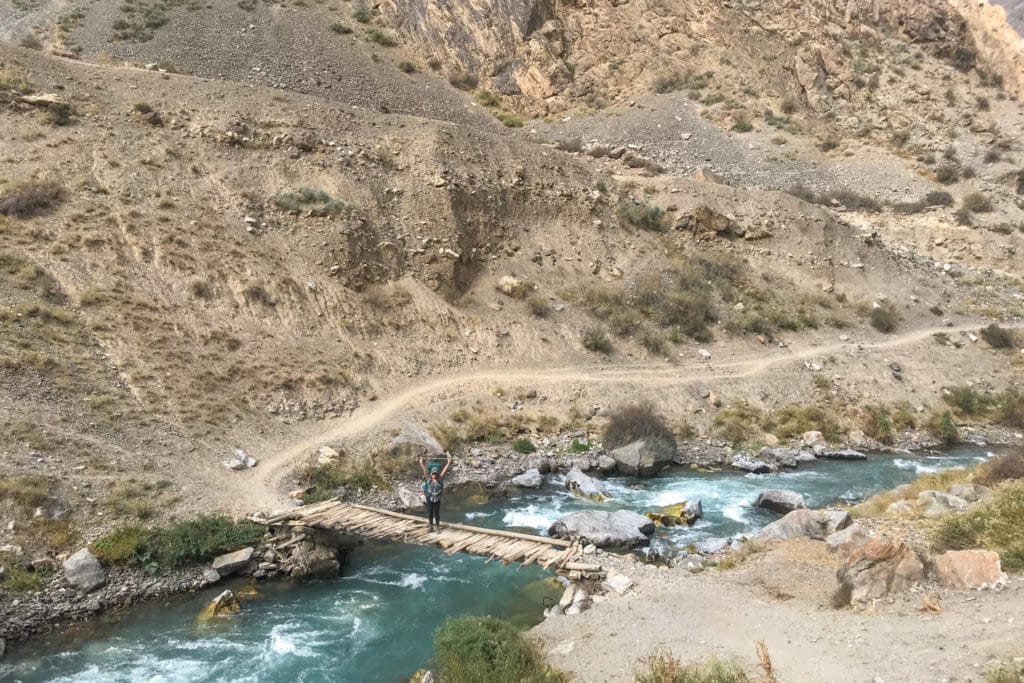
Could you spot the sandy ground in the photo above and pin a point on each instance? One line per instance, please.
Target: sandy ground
(782, 597)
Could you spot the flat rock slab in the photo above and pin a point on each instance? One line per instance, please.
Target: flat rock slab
(621, 529)
(530, 479)
(779, 500)
(816, 524)
(229, 563)
(620, 583)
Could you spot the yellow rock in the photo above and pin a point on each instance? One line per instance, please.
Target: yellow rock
(224, 605)
(477, 499)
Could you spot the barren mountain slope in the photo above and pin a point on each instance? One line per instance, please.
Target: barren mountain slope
(215, 264)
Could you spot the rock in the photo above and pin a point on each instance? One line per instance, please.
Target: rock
(811, 438)
(512, 286)
(900, 508)
(52, 508)
(783, 456)
(229, 563)
(936, 503)
(845, 540)
(704, 354)
(242, 461)
(972, 493)
(620, 529)
(805, 456)
(620, 583)
(211, 576)
(747, 464)
(10, 549)
(605, 464)
(315, 560)
(857, 438)
(711, 546)
(816, 524)
(714, 400)
(223, 605)
(530, 479)
(582, 485)
(325, 455)
(43, 100)
(644, 458)
(844, 454)
(778, 500)
(877, 568)
(681, 513)
(410, 496)
(961, 569)
(83, 571)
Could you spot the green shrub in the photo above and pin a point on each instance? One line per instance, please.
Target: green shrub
(997, 524)
(126, 545)
(341, 28)
(642, 216)
(942, 426)
(885, 317)
(595, 339)
(538, 306)
(362, 13)
(976, 202)
(742, 126)
(523, 445)
(1009, 673)
(381, 37)
(463, 80)
(487, 98)
(578, 446)
(738, 422)
(664, 668)
(969, 401)
(509, 119)
(997, 337)
(184, 543)
(1010, 409)
(485, 649)
(407, 67)
(792, 420)
(18, 579)
(881, 421)
(32, 198)
(629, 423)
(325, 479)
(311, 199)
(1000, 468)
(27, 492)
(947, 174)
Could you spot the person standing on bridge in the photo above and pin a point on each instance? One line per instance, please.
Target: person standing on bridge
(433, 488)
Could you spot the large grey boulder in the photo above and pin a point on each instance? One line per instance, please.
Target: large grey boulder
(744, 462)
(530, 479)
(935, 503)
(229, 563)
(83, 571)
(785, 457)
(410, 495)
(877, 568)
(779, 500)
(644, 457)
(848, 539)
(816, 524)
(583, 485)
(969, 492)
(619, 529)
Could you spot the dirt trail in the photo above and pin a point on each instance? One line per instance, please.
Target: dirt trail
(264, 492)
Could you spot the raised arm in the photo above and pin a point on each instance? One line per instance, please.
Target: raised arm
(447, 464)
(423, 466)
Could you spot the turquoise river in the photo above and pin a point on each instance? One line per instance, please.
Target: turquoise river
(375, 623)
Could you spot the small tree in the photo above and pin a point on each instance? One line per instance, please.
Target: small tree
(629, 423)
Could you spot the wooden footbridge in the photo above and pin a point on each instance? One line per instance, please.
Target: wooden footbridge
(368, 522)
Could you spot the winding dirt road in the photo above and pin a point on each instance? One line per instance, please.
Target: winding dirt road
(266, 492)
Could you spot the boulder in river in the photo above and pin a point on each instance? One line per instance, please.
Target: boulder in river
(816, 524)
(779, 500)
(606, 464)
(583, 485)
(83, 571)
(785, 457)
(530, 479)
(687, 512)
(844, 454)
(619, 529)
(744, 462)
(225, 604)
(314, 560)
(644, 457)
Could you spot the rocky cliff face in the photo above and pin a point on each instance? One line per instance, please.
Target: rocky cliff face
(1014, 13)
(998, 44)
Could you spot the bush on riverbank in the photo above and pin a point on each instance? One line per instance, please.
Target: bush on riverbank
(882, 422)
(473, 649)
(997, 524)
(628, 423)
(1005, 408)
(935, 481)
(326, 479)
(185, 543)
